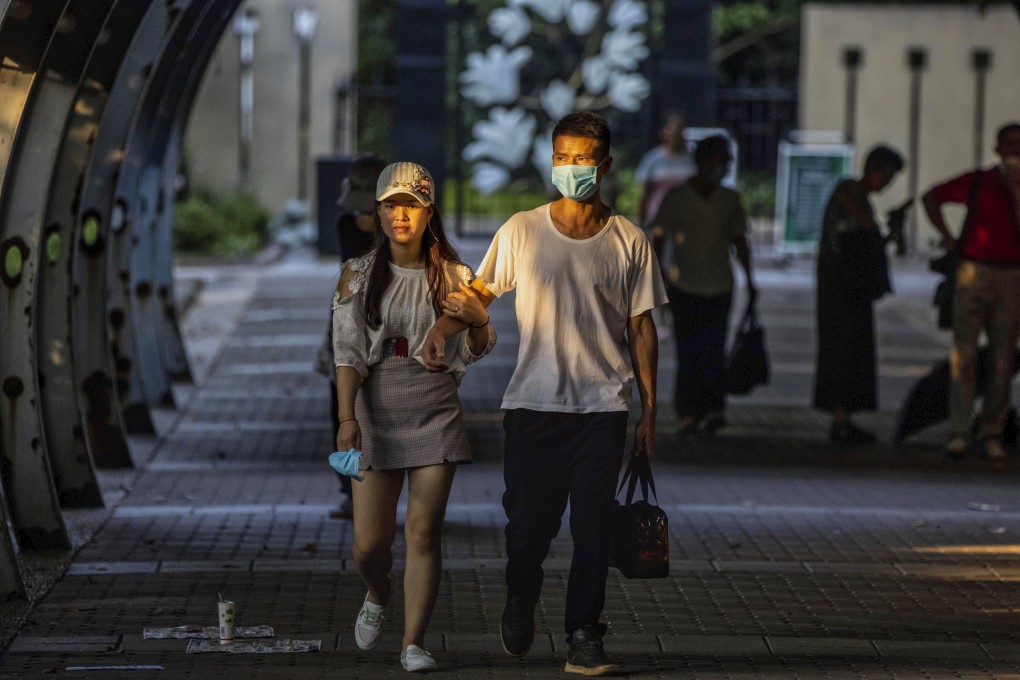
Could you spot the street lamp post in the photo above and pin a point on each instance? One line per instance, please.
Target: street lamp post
(305, 21)
(246, 25)
(917, 61)
(852, 58)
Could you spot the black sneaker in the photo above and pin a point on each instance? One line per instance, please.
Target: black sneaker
(586, 656)
(517, 627)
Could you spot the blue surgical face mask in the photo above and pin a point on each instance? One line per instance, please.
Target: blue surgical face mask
(576, 182)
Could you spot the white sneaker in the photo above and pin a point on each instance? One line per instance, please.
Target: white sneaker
(368, 626)
(414, 659)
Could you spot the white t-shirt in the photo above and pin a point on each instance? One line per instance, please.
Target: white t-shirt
(659, 171)
(574, 300)
(659, 164)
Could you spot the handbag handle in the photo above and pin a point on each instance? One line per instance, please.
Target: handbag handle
(750, 320)
(639, 469)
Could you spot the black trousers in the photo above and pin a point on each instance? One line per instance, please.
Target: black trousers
(550, 458)
(699, 326)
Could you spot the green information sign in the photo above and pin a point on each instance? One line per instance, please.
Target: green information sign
(806, 176)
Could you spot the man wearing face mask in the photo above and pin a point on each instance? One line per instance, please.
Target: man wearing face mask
(703, 222)
(987, 291)
(586, 282)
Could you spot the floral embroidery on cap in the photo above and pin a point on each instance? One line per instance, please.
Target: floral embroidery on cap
(421, 184)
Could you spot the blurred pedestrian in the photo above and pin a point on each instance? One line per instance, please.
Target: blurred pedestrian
(704, 222)
(405, 420)
(852, 273)
(355, 234)
(663, 167)
(987, 296)
(586, 281)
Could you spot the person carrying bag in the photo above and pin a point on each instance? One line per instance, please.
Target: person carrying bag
(640, 529)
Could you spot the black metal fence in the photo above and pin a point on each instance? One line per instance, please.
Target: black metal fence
(758, 118)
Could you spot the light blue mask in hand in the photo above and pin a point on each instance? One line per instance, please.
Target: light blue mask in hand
(346, 463)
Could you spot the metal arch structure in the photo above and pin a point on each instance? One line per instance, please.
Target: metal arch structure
(94, 98)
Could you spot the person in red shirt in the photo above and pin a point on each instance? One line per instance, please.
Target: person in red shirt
(987, 290)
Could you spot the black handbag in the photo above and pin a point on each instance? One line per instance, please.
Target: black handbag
(640, 530)
(747, 365)
(861, 264)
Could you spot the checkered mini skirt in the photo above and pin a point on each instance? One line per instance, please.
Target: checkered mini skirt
(409, 417)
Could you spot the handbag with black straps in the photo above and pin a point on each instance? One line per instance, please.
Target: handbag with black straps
(640, 529)
(747, 365)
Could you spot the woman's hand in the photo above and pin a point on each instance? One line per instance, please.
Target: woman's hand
(349, 435)
(465, 306)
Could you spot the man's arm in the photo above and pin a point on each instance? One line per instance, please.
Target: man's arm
(434, 350)
(933, 208)
(743, 253)
(644, 356)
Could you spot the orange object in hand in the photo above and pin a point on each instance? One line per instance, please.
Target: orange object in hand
(479, 286)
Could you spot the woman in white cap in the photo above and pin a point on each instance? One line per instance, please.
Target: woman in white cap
(406, 421)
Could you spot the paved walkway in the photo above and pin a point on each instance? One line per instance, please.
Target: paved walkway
(790, 558)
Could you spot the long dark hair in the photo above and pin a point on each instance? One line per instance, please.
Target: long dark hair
(435, 250)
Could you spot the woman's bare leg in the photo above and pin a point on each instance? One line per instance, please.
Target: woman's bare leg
(428, 492)
(375, 526)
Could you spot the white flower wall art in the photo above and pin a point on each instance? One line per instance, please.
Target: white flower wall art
(548, 58)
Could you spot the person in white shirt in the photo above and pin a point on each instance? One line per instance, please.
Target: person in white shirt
(663, 167)
(586, 282)
(405, 420)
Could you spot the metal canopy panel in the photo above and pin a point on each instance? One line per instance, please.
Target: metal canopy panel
(94, 315)
(70, 459)
(164, 154)
(32, 133)
(140, 190)
(98, 400)
(96, 95)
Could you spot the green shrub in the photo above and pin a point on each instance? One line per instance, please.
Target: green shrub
(759, 193)
(231, 225)
(516, 196)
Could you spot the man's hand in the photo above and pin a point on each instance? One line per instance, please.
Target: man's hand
(644, 436)
(752, 293)
(434, 351)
